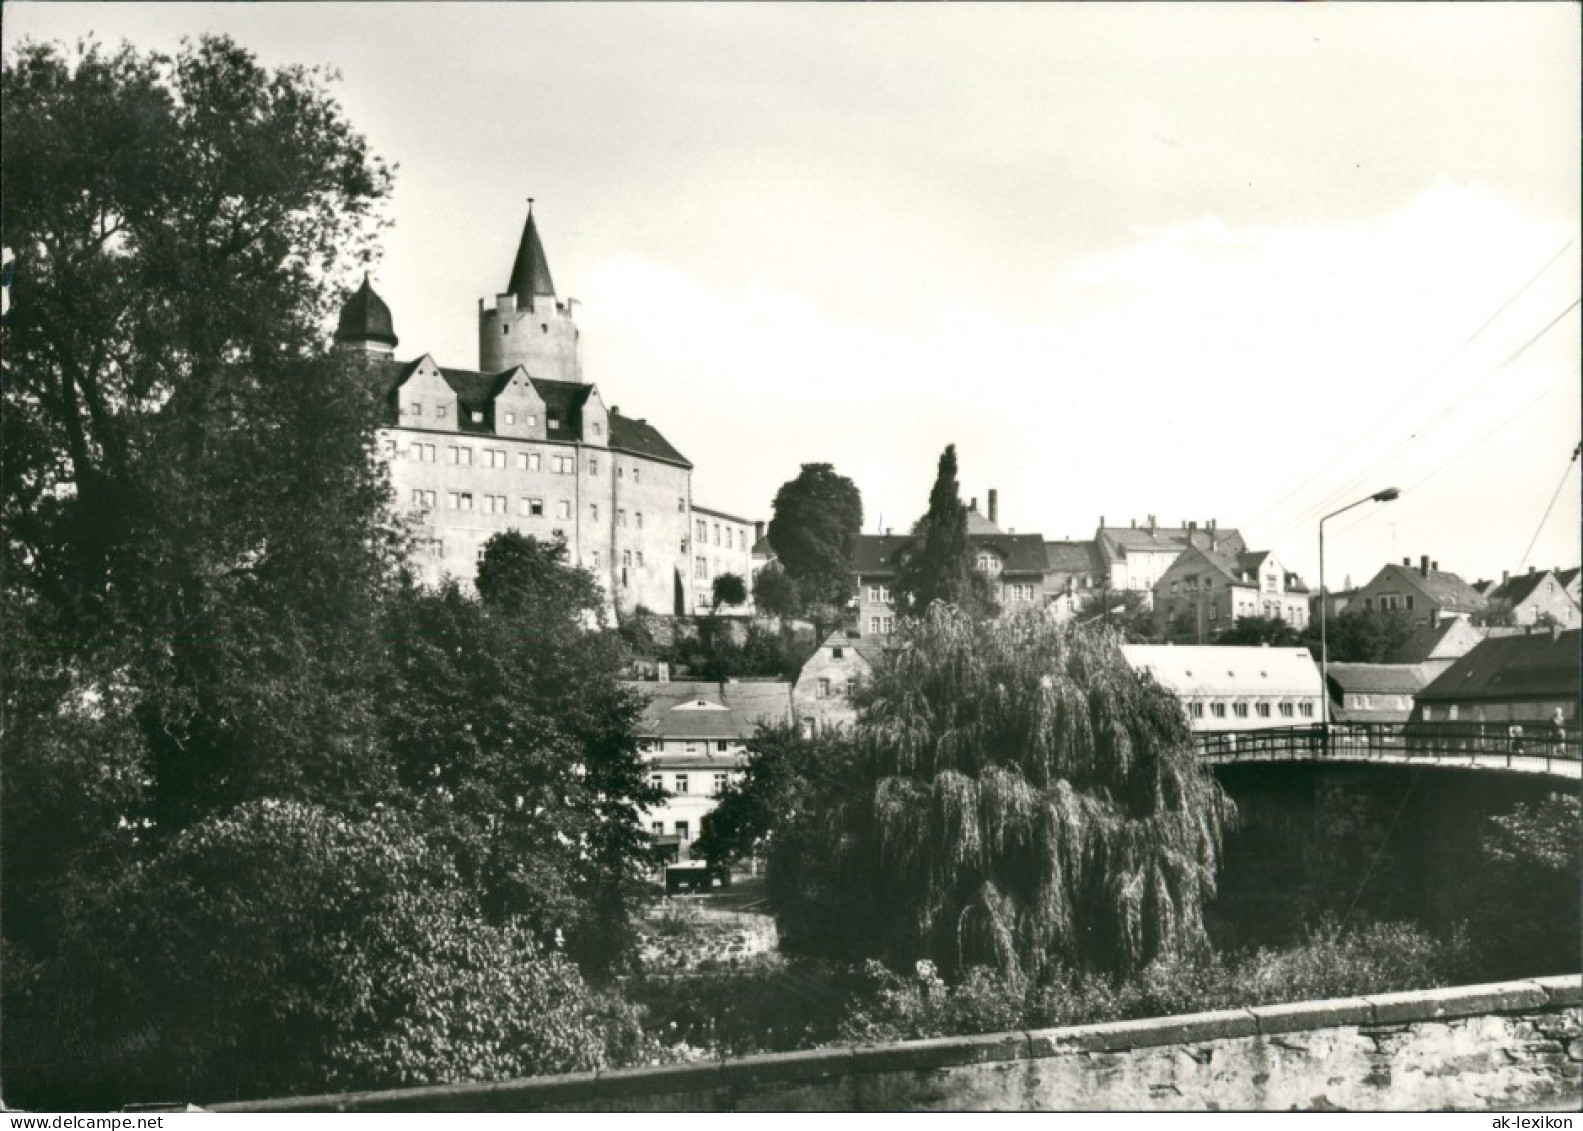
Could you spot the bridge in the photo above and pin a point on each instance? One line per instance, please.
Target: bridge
(1531, 748)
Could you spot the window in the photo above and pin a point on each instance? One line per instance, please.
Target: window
(721, 781)
(563, 509)
(988, 563)
(621, 516)
(700, 568)
(681, 779)
(1218, 710)
(657, 828)
(417, 498)
(534, 462)
(637, 519)
(837, 653)
(599, 429)
(1213, 612)
(1196, 709)
(1409, 602)
(635, 474)
(1263, 710)
(532, 420)
(423, 453)
(593, 512)
(703, 531)
(554, 422)
(531, 508)
(415, 408)
(1240, 710)
(478, 417)
(1306, 710)
(851, 686)
(721, 744)
(453, 454)
(1368, 602)
(511, 417)
(593, 465)
(467, 457)
(873, 624)
(594, 558)
(1286, 710)
(681, 504)
(657, 781)
(453, 500)
(1451, 713)
(878, 595)
(884, 624)
(682, 832)
(439, 412)
(717, 534)
(467, 500)
(824, 689)
(626, 558)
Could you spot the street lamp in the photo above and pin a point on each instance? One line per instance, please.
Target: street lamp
(1385, 496)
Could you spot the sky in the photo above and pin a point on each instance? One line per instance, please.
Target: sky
(1240, 262)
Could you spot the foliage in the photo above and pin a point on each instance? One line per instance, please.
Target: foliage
(1252, 631)
(814, 532)
(1525, 897)
(1015, 795)
(730, 651)
(513, 733)
(1330, 963)
(282, 949)
(1365, 636)
(1125, 610)
(776, 593)
(728, 589)
(937, 565)
(782, 789)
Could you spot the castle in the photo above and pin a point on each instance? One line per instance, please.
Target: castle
(525, 443)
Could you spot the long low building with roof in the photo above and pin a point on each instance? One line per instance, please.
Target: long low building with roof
(1234, 688)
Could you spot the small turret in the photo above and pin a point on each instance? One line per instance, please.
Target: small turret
(365, 323)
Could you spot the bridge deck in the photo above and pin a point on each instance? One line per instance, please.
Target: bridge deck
(1532, 749)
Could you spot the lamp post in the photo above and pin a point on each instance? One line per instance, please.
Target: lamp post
(1385, 496)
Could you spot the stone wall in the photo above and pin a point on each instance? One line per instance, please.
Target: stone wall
(1508, 1046)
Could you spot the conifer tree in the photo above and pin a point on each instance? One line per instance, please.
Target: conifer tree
(938, 565)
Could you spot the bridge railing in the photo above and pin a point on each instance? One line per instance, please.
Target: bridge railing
(1485, 742)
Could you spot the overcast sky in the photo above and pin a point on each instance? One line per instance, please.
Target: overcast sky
(1196, 261)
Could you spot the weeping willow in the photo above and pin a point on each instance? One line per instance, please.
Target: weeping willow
(1023, 799)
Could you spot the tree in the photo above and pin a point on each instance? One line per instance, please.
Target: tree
(814, 532)
(938, 563)
(1364, 636)
(1125, 610)
(728, 589)
(1273, 631)
(1015, 795)
(514, 735)
(776, 594)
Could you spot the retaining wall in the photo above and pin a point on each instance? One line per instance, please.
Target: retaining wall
(1506, 1046)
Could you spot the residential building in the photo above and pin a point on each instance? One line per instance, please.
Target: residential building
(1510, 680)
(526, 443)
(1072, 569)
(1234, 688)
(822, 695)
(693, 738)
(1136, 557)
(1378, 693)
(1426, 593)
(1207, 591)
(1535, 597)
(1449, 640)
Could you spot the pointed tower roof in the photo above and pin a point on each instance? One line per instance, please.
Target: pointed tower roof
(530, 274)
(365, 318)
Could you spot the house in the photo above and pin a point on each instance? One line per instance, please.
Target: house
(1234, 688)
(693, 738)
(1505, 680)
(1015, 564)
(526, 443)
(1136, 557)
(1535, 597)
(1208, 591)
(1071, 569)
(1442, 643)
(1378, 693)
(1426, 593)
(822, 695)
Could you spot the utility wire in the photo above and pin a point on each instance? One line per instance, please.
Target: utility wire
(1431, 375)
(1567, 471)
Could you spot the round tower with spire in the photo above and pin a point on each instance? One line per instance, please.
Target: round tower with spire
(527, 325)
(365, 325)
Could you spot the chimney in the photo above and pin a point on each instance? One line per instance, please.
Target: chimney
(1192, 528)
(973, 505)
(1135, 524)
(887, 532)
(1530, 569)
(1506, 575)
(1211, 524)
(1408, 562)
(1102, 522)
(1434, 567)
(1423, 565)
(1151, 525)
(994, 504)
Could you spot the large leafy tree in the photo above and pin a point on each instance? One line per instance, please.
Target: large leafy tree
(1015, 795)
(512, 731)
(814, 531)
(1364, 636)
(937, 565)
(1125, 610)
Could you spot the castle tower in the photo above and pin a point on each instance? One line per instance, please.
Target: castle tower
(527, 326)
(365, 325)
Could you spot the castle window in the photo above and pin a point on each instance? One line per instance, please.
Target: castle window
(640, 559)
(638, 519)
(593, 512)
(703, 531)
(626, 557)
(636, 474)
(595, 558)
(621, 516)
(681, 504)
(700, 568)
(534, 463)
(593, 465)
(505, 328)
(717, 534)
(467, 500)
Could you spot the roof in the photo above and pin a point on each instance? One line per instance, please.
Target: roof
(1445, 589)
(1118, 541)
(1515, 590)
(696, 709)
(1383, 679)
(876, 554)
(1072, 557)
(642, 439)
(721, 514)
(1533, 666)
(978, 524)
(365, 318)
(1452, 637)
(1206, 670)
(869, 648)
(1568, 577)
(530, 272)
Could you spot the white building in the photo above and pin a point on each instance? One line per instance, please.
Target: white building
(1235, 688)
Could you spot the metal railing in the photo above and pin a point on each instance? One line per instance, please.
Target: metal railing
(1532, 747)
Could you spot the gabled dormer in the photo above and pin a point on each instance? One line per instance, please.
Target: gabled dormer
(519, 411)
(424, 399)
(595, 420)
